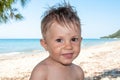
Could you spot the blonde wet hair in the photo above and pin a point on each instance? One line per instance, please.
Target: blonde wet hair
(63, 14)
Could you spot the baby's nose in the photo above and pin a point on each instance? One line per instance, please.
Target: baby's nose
(68, 45)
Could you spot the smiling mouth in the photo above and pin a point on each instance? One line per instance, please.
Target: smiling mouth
(68, 55)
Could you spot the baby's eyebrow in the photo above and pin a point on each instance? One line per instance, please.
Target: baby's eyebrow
(59, 37)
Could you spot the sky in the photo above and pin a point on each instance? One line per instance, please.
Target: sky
(98, 18)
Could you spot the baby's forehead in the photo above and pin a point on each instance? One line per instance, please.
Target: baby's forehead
(59, 30)
(62, 29)
(68, 26)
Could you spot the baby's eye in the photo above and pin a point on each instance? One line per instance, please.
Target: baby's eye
(59, 40)
(74, 39)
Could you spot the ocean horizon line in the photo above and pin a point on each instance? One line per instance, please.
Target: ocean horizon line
(41, 38)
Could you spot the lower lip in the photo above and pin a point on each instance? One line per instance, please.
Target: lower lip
(68, 55)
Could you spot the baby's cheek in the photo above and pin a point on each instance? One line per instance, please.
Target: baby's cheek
(57, 47)
(77, 48)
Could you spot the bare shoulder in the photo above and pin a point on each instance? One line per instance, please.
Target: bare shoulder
(79, 71)
(39, 72)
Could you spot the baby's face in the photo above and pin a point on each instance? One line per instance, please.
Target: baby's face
(63, 43)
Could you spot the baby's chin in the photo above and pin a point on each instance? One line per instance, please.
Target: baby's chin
(67, 63)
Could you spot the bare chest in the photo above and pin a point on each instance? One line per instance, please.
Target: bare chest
(63, 75)
(59, 77)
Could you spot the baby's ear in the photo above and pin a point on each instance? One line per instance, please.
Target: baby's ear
(43, 43)
(80, 38)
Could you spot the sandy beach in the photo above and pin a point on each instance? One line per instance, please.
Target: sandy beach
(100, 62)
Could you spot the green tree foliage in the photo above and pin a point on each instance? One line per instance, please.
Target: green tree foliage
(8, 12)
(114, 35)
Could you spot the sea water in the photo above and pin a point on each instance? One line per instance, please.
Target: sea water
(19, 45)
(30, 45)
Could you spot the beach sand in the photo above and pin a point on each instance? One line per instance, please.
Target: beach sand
(101, 62)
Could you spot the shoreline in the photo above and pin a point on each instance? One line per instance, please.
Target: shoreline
(99, 61)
